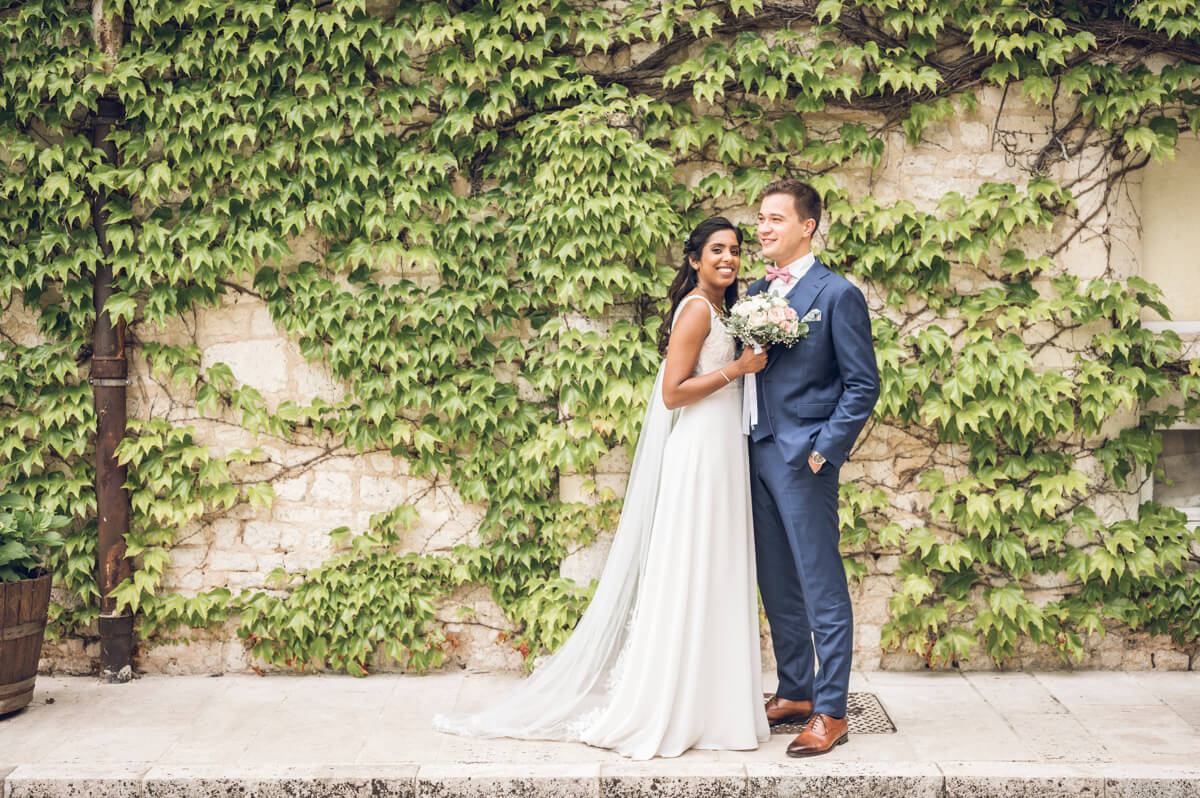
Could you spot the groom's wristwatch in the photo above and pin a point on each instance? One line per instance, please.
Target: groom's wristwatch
(817, 458)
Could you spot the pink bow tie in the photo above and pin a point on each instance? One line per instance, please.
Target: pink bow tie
(778, 274)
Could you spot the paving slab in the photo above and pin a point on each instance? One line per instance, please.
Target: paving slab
(1015, 694)
(1155, 732)
(1097, 688)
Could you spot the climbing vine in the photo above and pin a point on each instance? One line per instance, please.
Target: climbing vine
(496, 191)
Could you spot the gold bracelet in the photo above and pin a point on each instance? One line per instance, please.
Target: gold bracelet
(722, 373)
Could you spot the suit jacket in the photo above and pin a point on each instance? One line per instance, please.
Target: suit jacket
(818, 393)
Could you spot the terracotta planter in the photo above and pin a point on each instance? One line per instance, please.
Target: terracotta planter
(23, 607)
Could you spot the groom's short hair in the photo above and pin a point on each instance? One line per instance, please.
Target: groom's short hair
(804, 196)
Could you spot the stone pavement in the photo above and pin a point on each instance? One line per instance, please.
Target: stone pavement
(958, 734)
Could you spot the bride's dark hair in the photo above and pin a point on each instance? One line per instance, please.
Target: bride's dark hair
(686, 278)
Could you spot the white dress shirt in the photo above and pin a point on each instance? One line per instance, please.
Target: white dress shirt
(798, 269)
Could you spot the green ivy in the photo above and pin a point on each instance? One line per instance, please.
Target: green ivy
(482, 185)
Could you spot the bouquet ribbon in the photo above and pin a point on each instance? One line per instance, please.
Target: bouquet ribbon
(750, 399)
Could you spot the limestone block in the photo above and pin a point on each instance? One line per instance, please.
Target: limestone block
(310, 515)
(383, 493)
(330, 488)
(260, 364)
(245, 580)
(268, 562)
(292, 456)
(227, 323)
(834, 779)
(572, 487)
(262, 535)
(173, 330)
(1169, 659)
(1086, 256)
(385, 463)
(292, 489)
(261, 323)
(986, 779)
(184, 557)
(64, 780)
(481, 648)
(897, 660)
(866, 637)
(291, 536)
(658, 778)
(978, 662)
(852, 471)
(507, 780)
(295, 562)
(179, 658)
(974, 135)
(235, 657)
(225, 532)
(1147, 780)
(20, 322)
(587, 562)
(279, 781)
(242, 512)
(312, 380)
(233, 561)
(616, 461)
(317, 540)
(184, 581)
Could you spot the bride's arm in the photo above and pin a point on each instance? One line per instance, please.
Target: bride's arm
(679, 387)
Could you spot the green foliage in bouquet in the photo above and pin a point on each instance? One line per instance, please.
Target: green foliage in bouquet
(441, 202)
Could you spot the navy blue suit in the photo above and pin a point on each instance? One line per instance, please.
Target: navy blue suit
(813, 396)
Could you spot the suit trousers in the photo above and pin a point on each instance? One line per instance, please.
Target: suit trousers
(801, 577)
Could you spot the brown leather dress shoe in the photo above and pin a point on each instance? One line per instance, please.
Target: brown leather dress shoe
(820, 736)
(780, 710)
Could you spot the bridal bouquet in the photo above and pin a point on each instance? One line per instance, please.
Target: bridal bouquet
(765, 319)
(758, 321)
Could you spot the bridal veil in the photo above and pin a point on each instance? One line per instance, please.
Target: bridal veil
(573, 682)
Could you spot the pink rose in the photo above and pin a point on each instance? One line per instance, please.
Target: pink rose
(777, 315)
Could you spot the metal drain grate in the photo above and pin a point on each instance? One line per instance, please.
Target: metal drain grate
(865, 713)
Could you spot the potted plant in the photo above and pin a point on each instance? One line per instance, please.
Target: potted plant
(27, 538)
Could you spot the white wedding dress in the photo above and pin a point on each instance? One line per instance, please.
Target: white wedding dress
(666, 657)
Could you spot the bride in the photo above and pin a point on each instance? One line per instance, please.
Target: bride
(666, 657)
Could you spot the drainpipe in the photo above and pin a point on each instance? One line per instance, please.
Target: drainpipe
(109, 381)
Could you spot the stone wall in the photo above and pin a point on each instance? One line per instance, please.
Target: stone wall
(321, 486)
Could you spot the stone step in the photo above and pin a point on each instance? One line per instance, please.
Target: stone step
(815, 778)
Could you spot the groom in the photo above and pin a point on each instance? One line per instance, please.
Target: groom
(813, 400)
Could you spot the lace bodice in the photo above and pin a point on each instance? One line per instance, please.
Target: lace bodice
(717, 350)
